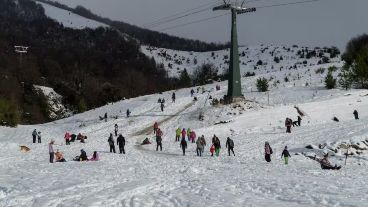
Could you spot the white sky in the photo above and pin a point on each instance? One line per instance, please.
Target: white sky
(324, 23)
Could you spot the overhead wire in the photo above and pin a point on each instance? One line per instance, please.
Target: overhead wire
(180, 14)
(258, 7)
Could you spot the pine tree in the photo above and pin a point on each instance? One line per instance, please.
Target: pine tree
(184, 79)
(330, 81)
(262, 84)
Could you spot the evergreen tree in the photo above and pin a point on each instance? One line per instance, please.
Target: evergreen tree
(184, 79)
(330, 81)
(262, 84)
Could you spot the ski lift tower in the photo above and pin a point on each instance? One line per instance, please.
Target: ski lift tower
(234, 91)
(21, 50)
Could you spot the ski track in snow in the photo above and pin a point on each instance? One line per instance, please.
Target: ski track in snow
(144, 177)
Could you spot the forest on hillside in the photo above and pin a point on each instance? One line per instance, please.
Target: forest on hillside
(89, 68)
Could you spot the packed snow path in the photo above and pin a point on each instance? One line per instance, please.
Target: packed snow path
(144, 177)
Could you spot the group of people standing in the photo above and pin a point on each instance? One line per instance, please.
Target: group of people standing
(36, 136)
(120, 141)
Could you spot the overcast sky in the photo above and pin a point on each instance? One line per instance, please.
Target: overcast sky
(324, 23)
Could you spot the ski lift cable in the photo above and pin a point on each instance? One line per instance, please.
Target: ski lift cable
(179, 17)
(179, 14)
(258, 7)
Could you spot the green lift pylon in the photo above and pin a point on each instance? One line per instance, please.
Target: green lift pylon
(234, 92)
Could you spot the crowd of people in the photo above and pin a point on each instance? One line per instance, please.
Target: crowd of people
(184, 136)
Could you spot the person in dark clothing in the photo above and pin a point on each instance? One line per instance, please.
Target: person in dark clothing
(299, 121)
(116, 130)
(105, 117)
(286, 155)
(192, 92)
(159, 139)
(162, 106)
(183, 145)
(39, 137)
(268, 152)
(83, 156)
(128, 113)
(111, 143)
(217, 144)
(288, 123)
(121, 143)
(230, 145)
(73, 137)
(34, 135)
(173, 97)
(356, 115)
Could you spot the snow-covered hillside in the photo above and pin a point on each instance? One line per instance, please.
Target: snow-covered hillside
(144, 177)
(69, 19)
(258, 59)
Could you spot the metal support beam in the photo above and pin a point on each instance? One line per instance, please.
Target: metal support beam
(234, 92)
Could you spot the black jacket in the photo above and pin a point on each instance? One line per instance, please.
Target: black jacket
(183, 144)
(285, 153)
(120, 141)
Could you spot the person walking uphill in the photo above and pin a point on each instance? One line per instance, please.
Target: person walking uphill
(286, 155)
(162, 106)
(177, 135)
(39, 137)
(183, 133)
(183, 145)
(51, 151)
(34, 135)
(159, 139)
(200, 146)
(217, 144)
(230, 145)
(116, 130)
(173, 97)
(356, 115)
(121, 143)
(268, 152)
(111, 143)
(188, 133)
(288, 124)
(193, 136)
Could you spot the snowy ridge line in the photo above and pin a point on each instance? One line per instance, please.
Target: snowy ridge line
(69, 19)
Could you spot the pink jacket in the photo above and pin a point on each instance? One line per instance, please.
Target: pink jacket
(183, 133)
(66, 136)
(192, 135)
(97, 158)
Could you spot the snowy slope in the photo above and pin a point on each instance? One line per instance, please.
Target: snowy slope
(144, 177)
(176, 61)
(69, 19)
